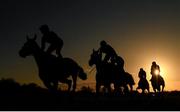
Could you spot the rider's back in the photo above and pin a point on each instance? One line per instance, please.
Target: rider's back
(52, 38)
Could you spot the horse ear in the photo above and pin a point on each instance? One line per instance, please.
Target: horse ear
(27, 37)
(35, 37)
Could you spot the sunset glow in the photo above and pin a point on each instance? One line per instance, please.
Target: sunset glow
(156, 72)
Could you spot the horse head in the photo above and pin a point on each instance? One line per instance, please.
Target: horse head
(95, 58)
(29, 47)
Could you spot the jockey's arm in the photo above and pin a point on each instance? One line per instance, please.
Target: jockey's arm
(106, 58)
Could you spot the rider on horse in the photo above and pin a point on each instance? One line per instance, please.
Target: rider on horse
(143, 83)
(142, 74)
(155, 69)
(156, 79)
(50, 37)
(110, 53)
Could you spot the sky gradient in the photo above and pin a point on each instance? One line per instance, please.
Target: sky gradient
(140, 31)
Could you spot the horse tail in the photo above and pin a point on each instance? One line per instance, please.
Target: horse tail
(162, 80)
(82, 75)
(130, 79)
(163, 83)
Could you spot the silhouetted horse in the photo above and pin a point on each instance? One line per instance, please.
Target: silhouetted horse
(143, 85)
(108, 73)
(104, 71)
(157, 81)
(52, 69)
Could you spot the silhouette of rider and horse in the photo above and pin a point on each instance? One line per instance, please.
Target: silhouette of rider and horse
(109, 70)
(143, 83)
(52, 69)
(156, 80)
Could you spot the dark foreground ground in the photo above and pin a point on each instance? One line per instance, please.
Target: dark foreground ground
(14, 96)
(89, 101)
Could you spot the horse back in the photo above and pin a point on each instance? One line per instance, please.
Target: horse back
(129, 78)
(70, 65)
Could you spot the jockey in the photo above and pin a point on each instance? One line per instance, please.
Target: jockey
(142, 74)
(154, 68)
(50, 37)
(110, 54)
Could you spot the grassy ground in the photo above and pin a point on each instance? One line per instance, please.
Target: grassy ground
(32, 97)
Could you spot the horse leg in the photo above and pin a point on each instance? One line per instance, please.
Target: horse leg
(162, 88)
(137, 88)
(126, 89)
(163, 85)
(131, 87)
(159, 88)
(74, 82)
(109, 88)
(143, 91)
(97, 87)
(116, 88)
(47, 84)
(148, 89)
(154, 89)
(55, 85)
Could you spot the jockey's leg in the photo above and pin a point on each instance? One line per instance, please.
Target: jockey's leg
(51, 49)
(58, 51)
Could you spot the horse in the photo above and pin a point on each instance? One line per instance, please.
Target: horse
(143, 85)
(157, 81)
(52, 69)
(108, 73)
(104, 71)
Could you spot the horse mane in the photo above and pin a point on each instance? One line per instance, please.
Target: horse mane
(47, 55)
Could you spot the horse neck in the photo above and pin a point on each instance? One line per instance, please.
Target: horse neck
(38, 56)
(99, 65)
